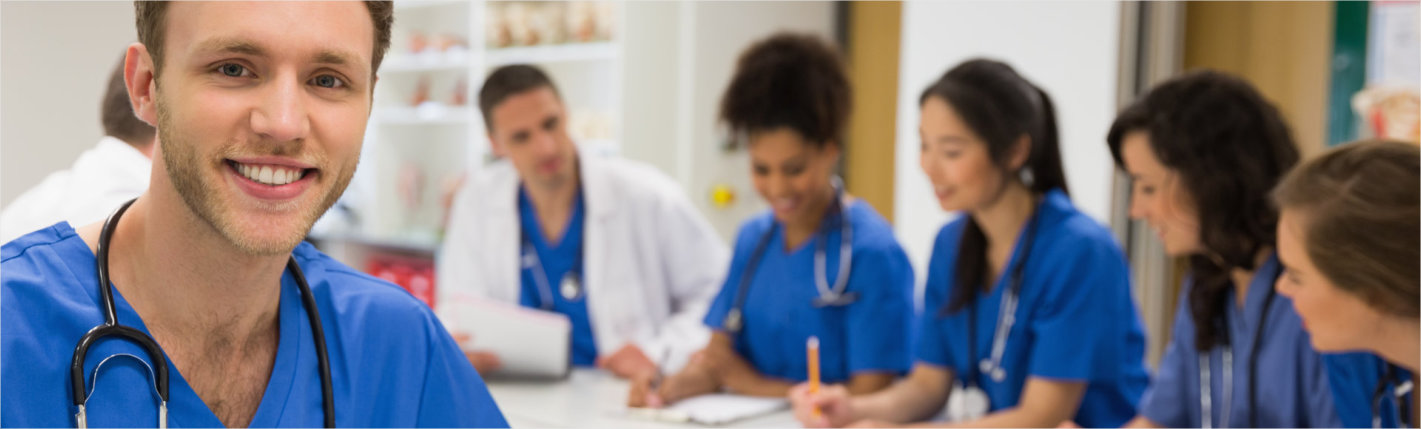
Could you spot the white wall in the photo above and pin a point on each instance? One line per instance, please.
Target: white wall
(55, 59)
(1068, 48)
(679, 58)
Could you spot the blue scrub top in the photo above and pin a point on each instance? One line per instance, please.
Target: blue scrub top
(1075, 318)
(1354, 378)
(1292, 381)
(392, 363)
(872, 334)
(558, 260)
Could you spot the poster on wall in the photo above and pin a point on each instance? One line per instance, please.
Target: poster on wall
(1390, 103)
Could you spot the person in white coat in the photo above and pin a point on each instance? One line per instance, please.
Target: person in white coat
(103, 177)
(613, 244)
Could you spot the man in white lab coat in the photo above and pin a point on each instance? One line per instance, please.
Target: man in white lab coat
(612, 243)
(102, 178)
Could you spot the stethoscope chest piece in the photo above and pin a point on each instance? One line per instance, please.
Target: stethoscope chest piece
(733, 321)
(835, 299)
(967, 403)
(571, 287)
(992, 370)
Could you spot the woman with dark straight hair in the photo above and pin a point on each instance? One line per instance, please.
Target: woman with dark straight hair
(1349, 233)
(1027, 318)
(1203, 150)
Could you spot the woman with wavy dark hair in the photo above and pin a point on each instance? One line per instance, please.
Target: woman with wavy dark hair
(1203, 150)
(1027, 316)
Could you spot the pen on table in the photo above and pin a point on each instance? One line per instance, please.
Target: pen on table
(660, 375)
(812, 347)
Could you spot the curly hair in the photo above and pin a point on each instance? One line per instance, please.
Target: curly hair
(1230, 147)
(789, 80)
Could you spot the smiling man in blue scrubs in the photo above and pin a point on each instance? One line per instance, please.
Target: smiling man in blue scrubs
(261, 110)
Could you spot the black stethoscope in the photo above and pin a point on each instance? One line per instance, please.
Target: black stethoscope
(111, 328)
(828, 296)
(1398, 395)
(1206, 397)
(571, 284)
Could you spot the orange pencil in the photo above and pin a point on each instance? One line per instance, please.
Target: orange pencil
(813, 348)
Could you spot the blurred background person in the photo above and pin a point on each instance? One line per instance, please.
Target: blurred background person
(103, 177)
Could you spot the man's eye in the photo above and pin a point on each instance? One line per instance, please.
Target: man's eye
(232, 70)
(328, 81)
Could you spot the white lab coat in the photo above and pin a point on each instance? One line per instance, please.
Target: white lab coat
(101, 179)
(652, 263)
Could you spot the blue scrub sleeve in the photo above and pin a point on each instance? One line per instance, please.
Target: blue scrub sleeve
(454, 395)
(1167, 402)
(880, 325)
(934, 330)
(1076, 325)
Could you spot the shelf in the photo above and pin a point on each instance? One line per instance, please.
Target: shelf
(426, 62)
(559, 53)
(422, 4)
(422, 246)
(425, 114)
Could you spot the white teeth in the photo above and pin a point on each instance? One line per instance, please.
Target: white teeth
(269, 175)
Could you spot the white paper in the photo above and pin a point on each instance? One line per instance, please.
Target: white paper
(713, 409)
(529, 343)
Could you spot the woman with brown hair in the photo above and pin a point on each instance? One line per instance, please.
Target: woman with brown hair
(1203, 150)
(1348, 233)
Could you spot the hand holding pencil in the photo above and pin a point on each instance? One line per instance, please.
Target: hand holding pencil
(816, 406)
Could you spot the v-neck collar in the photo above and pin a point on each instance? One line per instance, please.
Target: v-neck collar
(188, 410)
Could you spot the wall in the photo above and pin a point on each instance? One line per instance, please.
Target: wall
(1070, 49)
(1283, 48)
(55, 58)
(872, 55)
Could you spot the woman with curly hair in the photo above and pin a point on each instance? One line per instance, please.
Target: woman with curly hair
(819, 264)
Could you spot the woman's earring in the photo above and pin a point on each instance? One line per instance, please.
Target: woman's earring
(1026, 177)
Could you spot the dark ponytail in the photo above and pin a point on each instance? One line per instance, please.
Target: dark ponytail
(1000, 106)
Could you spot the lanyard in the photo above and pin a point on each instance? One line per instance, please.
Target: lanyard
(1206, 396)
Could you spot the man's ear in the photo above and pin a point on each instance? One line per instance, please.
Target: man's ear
(138, 76)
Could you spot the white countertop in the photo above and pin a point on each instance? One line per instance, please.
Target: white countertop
(588, 398)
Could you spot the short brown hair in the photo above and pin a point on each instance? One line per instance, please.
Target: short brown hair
(1362, 224)
(508, 81)
(789, 80)
(149, 19)
(116, 112)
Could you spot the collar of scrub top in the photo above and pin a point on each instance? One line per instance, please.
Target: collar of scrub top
(1398, 395)
(1006, 316)
(1206, 397)
(571, 285)
(829, 296)
(159, 369)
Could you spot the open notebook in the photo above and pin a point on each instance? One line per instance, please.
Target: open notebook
(717, 409)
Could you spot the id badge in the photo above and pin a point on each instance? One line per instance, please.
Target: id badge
(966, 403)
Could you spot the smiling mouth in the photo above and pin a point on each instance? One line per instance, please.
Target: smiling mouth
(270, 175)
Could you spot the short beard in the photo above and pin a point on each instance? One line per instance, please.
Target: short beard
(185, 170)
